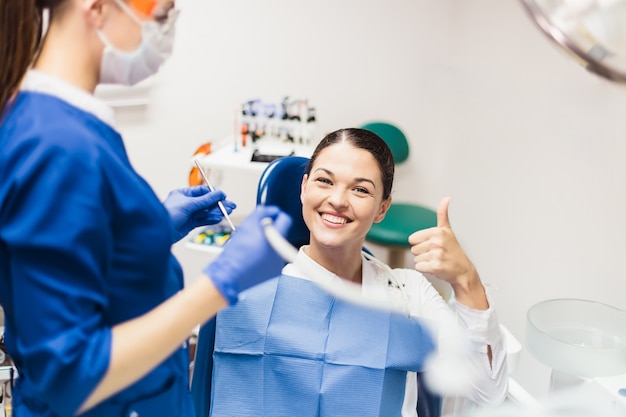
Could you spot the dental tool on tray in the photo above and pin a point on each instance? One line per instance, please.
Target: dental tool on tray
(219, 203)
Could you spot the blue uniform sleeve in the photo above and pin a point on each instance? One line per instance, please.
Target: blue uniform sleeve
(58, 234)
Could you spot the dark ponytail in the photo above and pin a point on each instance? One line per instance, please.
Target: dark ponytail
(20, 34)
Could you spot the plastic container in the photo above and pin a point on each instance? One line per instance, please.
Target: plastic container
(578, 337)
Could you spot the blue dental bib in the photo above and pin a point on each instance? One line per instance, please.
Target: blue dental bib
(290, 349)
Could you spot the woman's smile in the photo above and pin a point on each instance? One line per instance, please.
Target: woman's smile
(335, 219)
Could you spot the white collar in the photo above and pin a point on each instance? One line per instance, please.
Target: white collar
(40, 82)
(378, 280)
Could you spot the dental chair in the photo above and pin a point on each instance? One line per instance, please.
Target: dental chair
(279, 185)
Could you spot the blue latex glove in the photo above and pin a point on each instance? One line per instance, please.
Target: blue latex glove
(195, 206)
(247, 258)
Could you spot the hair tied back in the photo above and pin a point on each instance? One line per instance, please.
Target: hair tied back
(45, 4)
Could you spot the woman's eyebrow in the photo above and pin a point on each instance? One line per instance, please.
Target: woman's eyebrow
(325, 170)
(365, 180)
(356, 179)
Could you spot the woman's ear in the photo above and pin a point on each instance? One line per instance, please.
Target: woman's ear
(95, 12)
(382, 210)
(303, 186)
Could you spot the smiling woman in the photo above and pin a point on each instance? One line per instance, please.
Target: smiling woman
(341, 203)
(320, 355)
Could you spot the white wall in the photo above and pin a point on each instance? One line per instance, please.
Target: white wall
(530, 146)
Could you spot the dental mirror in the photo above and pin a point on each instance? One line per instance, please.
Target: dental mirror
(593, 32)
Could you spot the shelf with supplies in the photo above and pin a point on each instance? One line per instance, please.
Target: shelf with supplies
(291, 120)
(263, 131)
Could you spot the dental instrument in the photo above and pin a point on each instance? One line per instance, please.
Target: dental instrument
(219, 203)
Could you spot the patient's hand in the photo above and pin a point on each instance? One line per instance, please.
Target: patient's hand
(438, 253)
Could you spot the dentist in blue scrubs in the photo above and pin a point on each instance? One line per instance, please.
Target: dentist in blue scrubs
(96, 313)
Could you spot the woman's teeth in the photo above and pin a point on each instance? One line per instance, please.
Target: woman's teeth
(334, 219)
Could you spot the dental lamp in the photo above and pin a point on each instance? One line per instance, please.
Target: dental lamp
(593, 32)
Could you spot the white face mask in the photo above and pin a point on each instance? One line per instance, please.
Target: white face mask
(129, 68)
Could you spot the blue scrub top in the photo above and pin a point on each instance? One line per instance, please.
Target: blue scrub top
(85, 244)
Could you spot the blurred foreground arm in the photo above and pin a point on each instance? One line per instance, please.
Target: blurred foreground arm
(140, 344)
